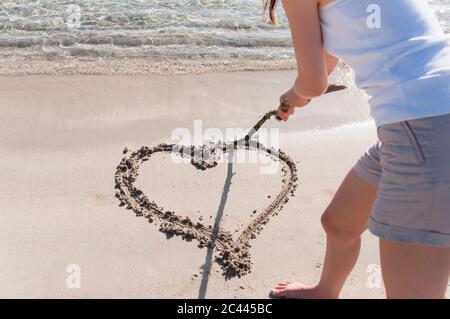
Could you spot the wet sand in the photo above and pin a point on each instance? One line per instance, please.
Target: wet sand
(61, 142)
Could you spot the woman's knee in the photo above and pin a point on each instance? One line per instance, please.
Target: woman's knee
(346, 216)
(335, 227)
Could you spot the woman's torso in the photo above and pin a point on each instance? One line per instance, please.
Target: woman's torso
(399, 53)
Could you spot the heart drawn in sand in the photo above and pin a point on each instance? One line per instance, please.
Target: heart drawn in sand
(231, 254)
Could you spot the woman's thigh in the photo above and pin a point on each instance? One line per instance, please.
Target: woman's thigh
(414, 271)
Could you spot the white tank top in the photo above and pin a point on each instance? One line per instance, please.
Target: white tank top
(398, 51)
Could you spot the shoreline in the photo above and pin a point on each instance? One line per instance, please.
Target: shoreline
(137, 67)
(141, 67)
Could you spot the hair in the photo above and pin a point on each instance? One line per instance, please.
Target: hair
(271, 5)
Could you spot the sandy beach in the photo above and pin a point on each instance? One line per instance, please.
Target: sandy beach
(62, 138)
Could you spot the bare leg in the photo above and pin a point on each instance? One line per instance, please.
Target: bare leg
(344, 221)
(414, 271)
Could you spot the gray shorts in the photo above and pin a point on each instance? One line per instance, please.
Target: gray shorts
(411, 166)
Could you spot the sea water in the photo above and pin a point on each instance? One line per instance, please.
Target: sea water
(146, 36)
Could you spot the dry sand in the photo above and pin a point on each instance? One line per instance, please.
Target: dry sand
(61, 140)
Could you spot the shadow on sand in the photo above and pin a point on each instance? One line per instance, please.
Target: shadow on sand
(206, 267)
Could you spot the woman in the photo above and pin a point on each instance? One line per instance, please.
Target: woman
(399, 189)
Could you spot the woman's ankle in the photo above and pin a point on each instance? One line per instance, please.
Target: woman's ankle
(326, 292)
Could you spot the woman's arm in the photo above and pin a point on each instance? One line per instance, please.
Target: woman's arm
(313, 62)
(290, 100)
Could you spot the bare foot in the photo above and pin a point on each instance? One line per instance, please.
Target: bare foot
(297, 290)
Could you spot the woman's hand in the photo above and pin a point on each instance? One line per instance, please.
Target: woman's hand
(288, 102)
